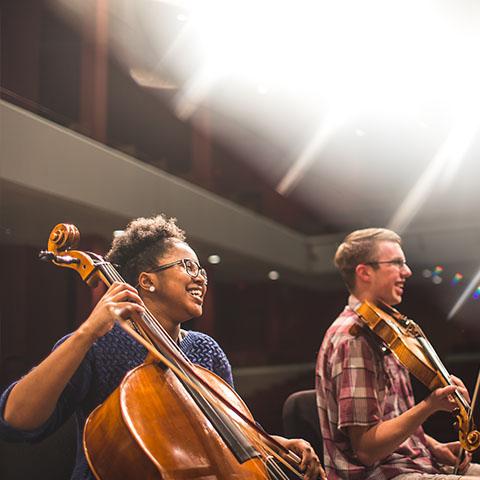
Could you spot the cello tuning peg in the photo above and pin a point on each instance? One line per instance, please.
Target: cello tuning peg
(46, 256)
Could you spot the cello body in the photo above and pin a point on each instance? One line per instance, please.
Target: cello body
(150, 428)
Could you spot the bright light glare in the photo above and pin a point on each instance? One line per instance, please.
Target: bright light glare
(309, 153)
(441, 170)
(370, 54)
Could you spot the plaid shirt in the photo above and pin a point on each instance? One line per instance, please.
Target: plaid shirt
(357, 384)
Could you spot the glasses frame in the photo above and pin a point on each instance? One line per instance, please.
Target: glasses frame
(396, 261)
(183, 261)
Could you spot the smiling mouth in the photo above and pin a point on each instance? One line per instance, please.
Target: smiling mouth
(197, 294)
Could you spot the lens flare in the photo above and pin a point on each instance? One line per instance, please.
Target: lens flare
(438, 270)
(476, 293)
(457, 278)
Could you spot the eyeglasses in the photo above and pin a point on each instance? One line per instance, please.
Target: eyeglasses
(191, 267)
(398, 262)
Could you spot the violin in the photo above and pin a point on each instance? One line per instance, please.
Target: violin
(168, 418)
(407, 342)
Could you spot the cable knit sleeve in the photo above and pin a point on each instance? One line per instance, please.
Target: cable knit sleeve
(205, 351)
(74, 392)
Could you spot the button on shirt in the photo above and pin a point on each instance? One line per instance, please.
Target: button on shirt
(359, 385)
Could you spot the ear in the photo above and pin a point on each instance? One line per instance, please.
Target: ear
(145, 280)
(363, 272)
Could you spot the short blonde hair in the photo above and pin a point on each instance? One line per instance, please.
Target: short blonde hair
(359, 247)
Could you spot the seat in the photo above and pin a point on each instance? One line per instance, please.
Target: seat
(300, 419)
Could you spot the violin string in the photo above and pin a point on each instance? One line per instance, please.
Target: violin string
(429, 351)
(371, 313)
(442, 371)
(158, 329)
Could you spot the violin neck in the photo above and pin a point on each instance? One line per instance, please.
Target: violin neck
(441, 369)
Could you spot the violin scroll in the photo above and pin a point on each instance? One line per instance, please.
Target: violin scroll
(469, 437)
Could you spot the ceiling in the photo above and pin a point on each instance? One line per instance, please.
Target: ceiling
(412, 169)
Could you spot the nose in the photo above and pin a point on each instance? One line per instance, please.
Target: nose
(406, 272)
(201, 278)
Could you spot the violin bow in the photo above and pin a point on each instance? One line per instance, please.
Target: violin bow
(470, 413)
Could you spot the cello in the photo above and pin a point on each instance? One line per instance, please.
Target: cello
(407, 342)
(168, 418)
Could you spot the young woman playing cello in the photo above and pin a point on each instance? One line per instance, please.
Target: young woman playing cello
(86, 366)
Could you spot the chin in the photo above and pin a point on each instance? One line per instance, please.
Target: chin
(391, 301)
(396, 301)
(196, 313)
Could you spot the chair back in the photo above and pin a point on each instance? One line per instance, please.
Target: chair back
(300, 419)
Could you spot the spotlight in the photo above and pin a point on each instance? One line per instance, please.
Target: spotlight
(273, 275)
(214, 259)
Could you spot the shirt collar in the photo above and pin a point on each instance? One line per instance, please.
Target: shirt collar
(353, 302)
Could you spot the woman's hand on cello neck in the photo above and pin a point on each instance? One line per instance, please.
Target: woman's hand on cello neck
(120, 300)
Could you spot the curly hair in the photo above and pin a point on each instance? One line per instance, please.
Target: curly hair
(359, 247)
(142, 242)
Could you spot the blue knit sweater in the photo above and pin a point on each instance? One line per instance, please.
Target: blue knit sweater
(101, 371)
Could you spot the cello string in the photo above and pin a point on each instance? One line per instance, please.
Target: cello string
(273, 457)
(106, 272)
(163, 334)
(153, 323)
(160, 357)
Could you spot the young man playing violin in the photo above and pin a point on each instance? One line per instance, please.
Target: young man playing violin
(371, 426)
(87, 366)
